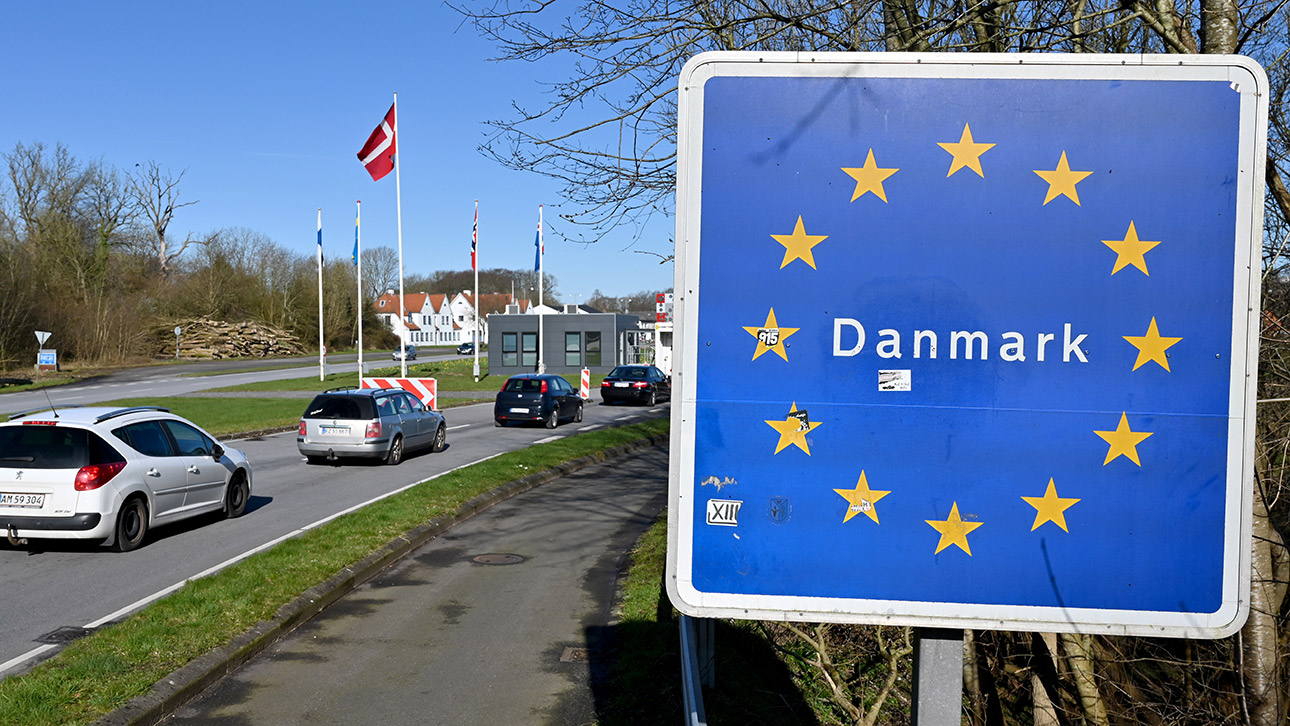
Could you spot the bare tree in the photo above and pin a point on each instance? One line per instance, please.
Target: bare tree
(380, 271)
(156, 192)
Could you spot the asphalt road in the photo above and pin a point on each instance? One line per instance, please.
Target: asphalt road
(50, 585)
(440, 638)
(178, 379)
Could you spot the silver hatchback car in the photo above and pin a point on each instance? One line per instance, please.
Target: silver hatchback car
(372, 423)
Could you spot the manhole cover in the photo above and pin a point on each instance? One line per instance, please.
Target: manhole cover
(497, 559)
(64, 635)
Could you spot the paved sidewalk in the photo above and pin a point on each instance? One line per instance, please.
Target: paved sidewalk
(440, 638)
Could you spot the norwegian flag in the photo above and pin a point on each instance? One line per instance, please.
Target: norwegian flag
(474, 239)
(377, 154)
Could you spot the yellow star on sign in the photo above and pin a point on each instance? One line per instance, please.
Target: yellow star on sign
(1123, 441)
(1050, 507)
(1062, 181)
(1130, 250)
(793, 430)
(770, 336)
(954, 531)
(797, 246)
(967, 153)
(869, 178)
(861, 499)
(1152, 346)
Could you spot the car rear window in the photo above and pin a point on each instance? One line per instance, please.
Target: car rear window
(523, 385)
(625, 372)
(53, 447)
(340, 407)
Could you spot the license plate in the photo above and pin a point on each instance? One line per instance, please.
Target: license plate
(519, 410)
(22, 500)
(621, 384)
(334, 430)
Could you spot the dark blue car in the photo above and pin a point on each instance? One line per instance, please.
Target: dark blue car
(537, 397)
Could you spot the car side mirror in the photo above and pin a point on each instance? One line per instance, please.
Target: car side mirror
(217, 452)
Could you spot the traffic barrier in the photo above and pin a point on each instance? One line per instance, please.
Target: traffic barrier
(426, 389)
(585, 392)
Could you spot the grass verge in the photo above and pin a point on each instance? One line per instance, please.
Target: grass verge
(452, 375)
(229, 416)
(754, 681)
(102, 672)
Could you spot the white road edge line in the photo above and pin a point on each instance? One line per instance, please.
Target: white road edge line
(25, 656)
(212, 570)
(459, 426)
(547, 440)
(591, 428)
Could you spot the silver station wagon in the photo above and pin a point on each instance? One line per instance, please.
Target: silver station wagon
(372, 423)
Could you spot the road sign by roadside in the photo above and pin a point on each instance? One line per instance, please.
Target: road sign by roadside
(47, 359)
(42, 336)
(967, 340)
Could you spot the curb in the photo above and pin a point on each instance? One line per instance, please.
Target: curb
(173, 691)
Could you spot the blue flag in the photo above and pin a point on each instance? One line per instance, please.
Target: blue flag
(538, 247)
(967, 341)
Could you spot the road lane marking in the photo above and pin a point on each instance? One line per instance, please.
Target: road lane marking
(547, 440)
(590, 428)
(29, 654)
(459, 426)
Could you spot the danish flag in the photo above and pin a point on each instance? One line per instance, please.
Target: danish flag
(377, 154)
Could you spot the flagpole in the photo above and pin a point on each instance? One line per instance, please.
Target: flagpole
(541, 332)
(398, 205)
(475, 261)
(322, 349)
(358, 264)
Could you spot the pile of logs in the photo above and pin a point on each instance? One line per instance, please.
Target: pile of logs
(203, 338)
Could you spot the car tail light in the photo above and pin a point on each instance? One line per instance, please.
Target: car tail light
(303, 431)
(39, 423)
(544, 386)
(640, 384)
(604, 384)
(373, 430)
(94, 476)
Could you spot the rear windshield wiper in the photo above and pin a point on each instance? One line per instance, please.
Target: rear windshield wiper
(27, 459)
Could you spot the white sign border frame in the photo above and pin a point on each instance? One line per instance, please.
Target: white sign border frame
(1246, 76)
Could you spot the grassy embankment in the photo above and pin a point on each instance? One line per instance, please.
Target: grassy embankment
(102, 672)
(757, 681)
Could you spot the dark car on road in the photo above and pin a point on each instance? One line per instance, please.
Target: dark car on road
(373, 423)
(537, 397)
(636, 383)
(466, 348)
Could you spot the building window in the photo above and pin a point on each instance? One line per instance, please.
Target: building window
(593, 348)
(510, 355)
(573, 349)
(528, 353)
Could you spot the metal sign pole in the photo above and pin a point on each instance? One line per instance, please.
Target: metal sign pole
(938, 677)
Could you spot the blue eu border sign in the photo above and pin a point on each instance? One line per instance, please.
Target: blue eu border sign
(967, 341)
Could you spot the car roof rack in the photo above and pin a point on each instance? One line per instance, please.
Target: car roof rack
(340, 388)
(124, 411)
(30, 411)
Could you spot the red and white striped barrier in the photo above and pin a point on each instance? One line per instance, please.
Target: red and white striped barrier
(426, 389)
(585, 391)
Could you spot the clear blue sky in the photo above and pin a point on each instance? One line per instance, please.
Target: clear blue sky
(266, 104)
